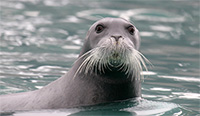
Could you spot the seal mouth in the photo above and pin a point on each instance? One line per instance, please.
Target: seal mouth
(115, 59)
(115, 55)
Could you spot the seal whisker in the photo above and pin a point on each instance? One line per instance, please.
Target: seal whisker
(89, 63)
(80, 68)
(82, 56)
(85, 61)
(140, 60)
(101, 62)
(138, 67)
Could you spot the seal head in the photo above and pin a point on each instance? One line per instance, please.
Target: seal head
(112, 45)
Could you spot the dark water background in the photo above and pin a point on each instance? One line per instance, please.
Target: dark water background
(40, 40)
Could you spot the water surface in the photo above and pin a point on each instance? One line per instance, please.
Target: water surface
(40, 40)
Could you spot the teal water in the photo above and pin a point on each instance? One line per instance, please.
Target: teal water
(40, 40)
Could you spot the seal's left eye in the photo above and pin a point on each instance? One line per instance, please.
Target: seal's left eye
(131, 30)
(99, 28)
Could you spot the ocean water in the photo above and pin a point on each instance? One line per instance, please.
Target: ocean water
(40, 40)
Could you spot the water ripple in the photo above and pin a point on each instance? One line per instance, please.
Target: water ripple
(15, 5)
(153, 15)
(137, 14)
(178, 78)
(186, 95)
(161, 28)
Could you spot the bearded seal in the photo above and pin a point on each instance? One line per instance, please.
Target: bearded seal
(107, 70)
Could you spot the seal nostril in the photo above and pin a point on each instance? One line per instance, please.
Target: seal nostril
(116, 37)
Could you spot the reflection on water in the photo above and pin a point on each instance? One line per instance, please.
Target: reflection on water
(40, 40)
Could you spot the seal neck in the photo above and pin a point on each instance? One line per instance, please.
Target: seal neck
(101, 88)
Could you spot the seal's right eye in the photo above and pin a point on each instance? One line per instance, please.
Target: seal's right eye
(99, 28)
(131, 30)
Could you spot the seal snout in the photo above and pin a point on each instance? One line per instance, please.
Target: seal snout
(116, 37)
(116, 41)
